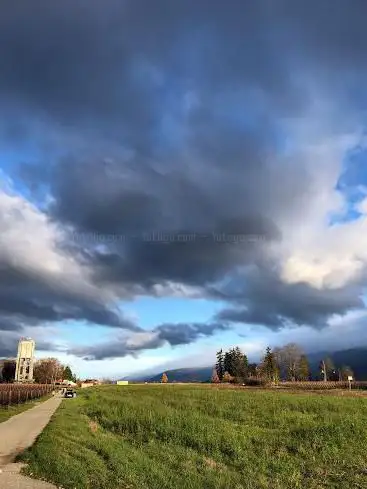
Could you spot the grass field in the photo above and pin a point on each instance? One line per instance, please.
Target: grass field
(191, 437)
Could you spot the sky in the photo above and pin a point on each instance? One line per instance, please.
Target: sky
(181, 176)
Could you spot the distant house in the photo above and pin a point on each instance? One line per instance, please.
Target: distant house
(122, 382)
(68, 382)
(89, 383)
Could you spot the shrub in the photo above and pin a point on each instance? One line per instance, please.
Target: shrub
(253, 382)
(227, 377)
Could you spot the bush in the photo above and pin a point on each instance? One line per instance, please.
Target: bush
(227, 377)
(253, 382)
(236, 380)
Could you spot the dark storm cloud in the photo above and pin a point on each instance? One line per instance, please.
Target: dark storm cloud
(8, 347)
(10, 324)
(77, 61)
(182, 334)
(30, 299)
(166, 115)
(173, 334)
(260, 297)
(9, 343)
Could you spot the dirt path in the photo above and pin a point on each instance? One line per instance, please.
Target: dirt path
(17, 434)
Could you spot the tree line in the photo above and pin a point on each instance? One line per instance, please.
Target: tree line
(288, 363)
(45, 371)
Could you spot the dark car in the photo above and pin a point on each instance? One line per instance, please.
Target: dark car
(69, 393)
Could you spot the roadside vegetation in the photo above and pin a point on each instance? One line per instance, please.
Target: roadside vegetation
(7, 412)
(191, 437)
(288, 363)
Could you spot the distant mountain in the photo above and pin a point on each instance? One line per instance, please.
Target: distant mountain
(356, 358)
(201, 374)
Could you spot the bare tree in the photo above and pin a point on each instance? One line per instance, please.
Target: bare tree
(328, 369)
(288, 359)
(48, 371)
(346, 372)
(215, 377)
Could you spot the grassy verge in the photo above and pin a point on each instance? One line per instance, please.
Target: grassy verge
(7, 412)
(187, 437)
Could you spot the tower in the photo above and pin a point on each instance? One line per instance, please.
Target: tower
(25, 360)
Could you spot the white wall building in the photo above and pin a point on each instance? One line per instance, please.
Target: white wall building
(25, 360)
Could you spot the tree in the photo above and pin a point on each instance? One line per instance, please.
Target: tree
(322, 368)
(346, 372)
(8, 370)
(240, 365)
(220, 365)
(331, 370)
(252, 370)
(328, 369)
(269, 368)
(47, 371)
(304, 368)
(164, 378)
(215, 377)
(288, 360)
(235, 362)
(228, 362)
(227, 377)
(68, 374)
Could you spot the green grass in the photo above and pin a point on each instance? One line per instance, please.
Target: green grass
(7, 412)
(202, 437)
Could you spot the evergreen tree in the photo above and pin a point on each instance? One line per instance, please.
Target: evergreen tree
(252, 370)
(245, 365)
(68, 374)
(269, 367)
(215, 377)
(234, 362)
(239, 365)
(220, 365)
(8, 371)
(228, 362)
(304, 368)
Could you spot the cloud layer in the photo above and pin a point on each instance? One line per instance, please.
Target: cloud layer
(190, 148)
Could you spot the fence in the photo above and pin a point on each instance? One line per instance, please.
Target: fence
(320, 385)
(11, 394)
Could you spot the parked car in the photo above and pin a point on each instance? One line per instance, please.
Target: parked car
(69, 393)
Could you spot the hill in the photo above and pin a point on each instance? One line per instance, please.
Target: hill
(201, 374)
(356, 358)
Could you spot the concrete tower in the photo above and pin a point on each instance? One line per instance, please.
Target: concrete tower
(25, 360)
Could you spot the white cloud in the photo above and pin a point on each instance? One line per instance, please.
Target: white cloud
(31, 242)
(114, 368)
(312, 250)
